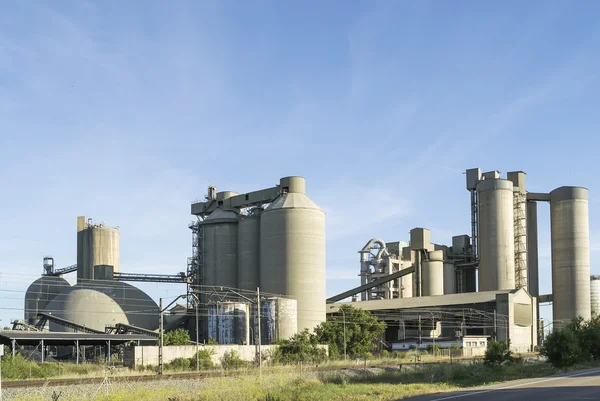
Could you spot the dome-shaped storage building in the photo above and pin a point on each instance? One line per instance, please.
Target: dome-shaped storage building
(40, 293)
(87, 307)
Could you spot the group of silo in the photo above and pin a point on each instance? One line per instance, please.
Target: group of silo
(504, 211)
(279, 249)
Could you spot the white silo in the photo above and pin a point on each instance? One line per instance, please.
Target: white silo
(496, 235)
(570, 241)
(433, 274)
(595, 295)
(292, 251)
(97, 245)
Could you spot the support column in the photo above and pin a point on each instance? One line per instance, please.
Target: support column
(77, 346)
(108, 353)
(532, 250)
(43, 351)
(14, 347)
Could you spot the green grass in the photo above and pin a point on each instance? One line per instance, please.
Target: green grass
(344, 385)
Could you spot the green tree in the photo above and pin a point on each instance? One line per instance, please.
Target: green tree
(362, 329)
(177, 337)
(301, 347)
(562, 348)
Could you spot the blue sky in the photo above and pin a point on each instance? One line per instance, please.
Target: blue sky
(126, 111)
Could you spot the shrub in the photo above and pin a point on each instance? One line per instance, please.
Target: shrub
(177, 337)
(231, 360)
(205, 359)
(179, 364)
(497, 353)
(562, 348)
(384, 353)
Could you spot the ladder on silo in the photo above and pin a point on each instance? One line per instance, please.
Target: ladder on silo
(520, 228)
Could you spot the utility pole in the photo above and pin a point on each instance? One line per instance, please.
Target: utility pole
(259, 333)
(495, 328)
(161, 337)
(420, 339)
(197, 350)
(1, 355)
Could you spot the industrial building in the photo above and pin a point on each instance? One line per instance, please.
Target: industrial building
(486, 283)
(260, 257)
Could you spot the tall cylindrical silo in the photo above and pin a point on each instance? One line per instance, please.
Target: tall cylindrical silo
(496, 235)
(449, 278)
(219, 249)
(292, 251)
(595, 295)
(433, 274)
(96, 245)
(249, 251)
(570, 241)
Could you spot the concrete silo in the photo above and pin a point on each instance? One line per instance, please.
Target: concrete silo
(496, 235)
(570, 241)
(292, 251)
(40, 293)
(249, 251)
(97, 245)
(229, 322)
(595, 295)
(433, 274)
(219, 248)
(449, 278)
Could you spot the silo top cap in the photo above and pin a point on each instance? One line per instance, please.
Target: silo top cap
(490, 185)
(568, 193)
(293, 184)
(221, 216)
(436, 255)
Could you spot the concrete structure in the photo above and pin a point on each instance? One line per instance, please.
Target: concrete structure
(449, 278)
(520, 227)
(570, 235)
(503, 314)
(496, 235)
(275, 239)
(220, 236)
(97, 245)
(135, 356)
(229, 323)
(40, 293)
(248, 273)
(292, 252)
(433, 274)
(279, 319)
(595, 295)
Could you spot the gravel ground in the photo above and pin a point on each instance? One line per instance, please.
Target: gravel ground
(87, 391)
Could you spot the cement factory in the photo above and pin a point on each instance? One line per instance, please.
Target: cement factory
(257, 274)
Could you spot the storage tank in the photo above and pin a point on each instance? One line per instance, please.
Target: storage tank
(433, 274)
(86, 307)
(40, 293)
(219, 248)
(496, 235)
(249, 251)
(292, 251)
(278, 319)
(97, 244)
(229, 323)
(595, 295)
(570, 242)
(406, 282)
(449, 278)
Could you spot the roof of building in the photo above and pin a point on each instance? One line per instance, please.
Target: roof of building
(423, 302)
(22, 337)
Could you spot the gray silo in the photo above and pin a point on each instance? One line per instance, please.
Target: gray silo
(229, 323)
(292, 251)
(249, 251)
(433, 274)
(449, 278)
(219, 248)
(595, 295)
(496, 235)
(520, 227)
(570, 241)
(279, 319)
(40, 293)
(97, 244)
